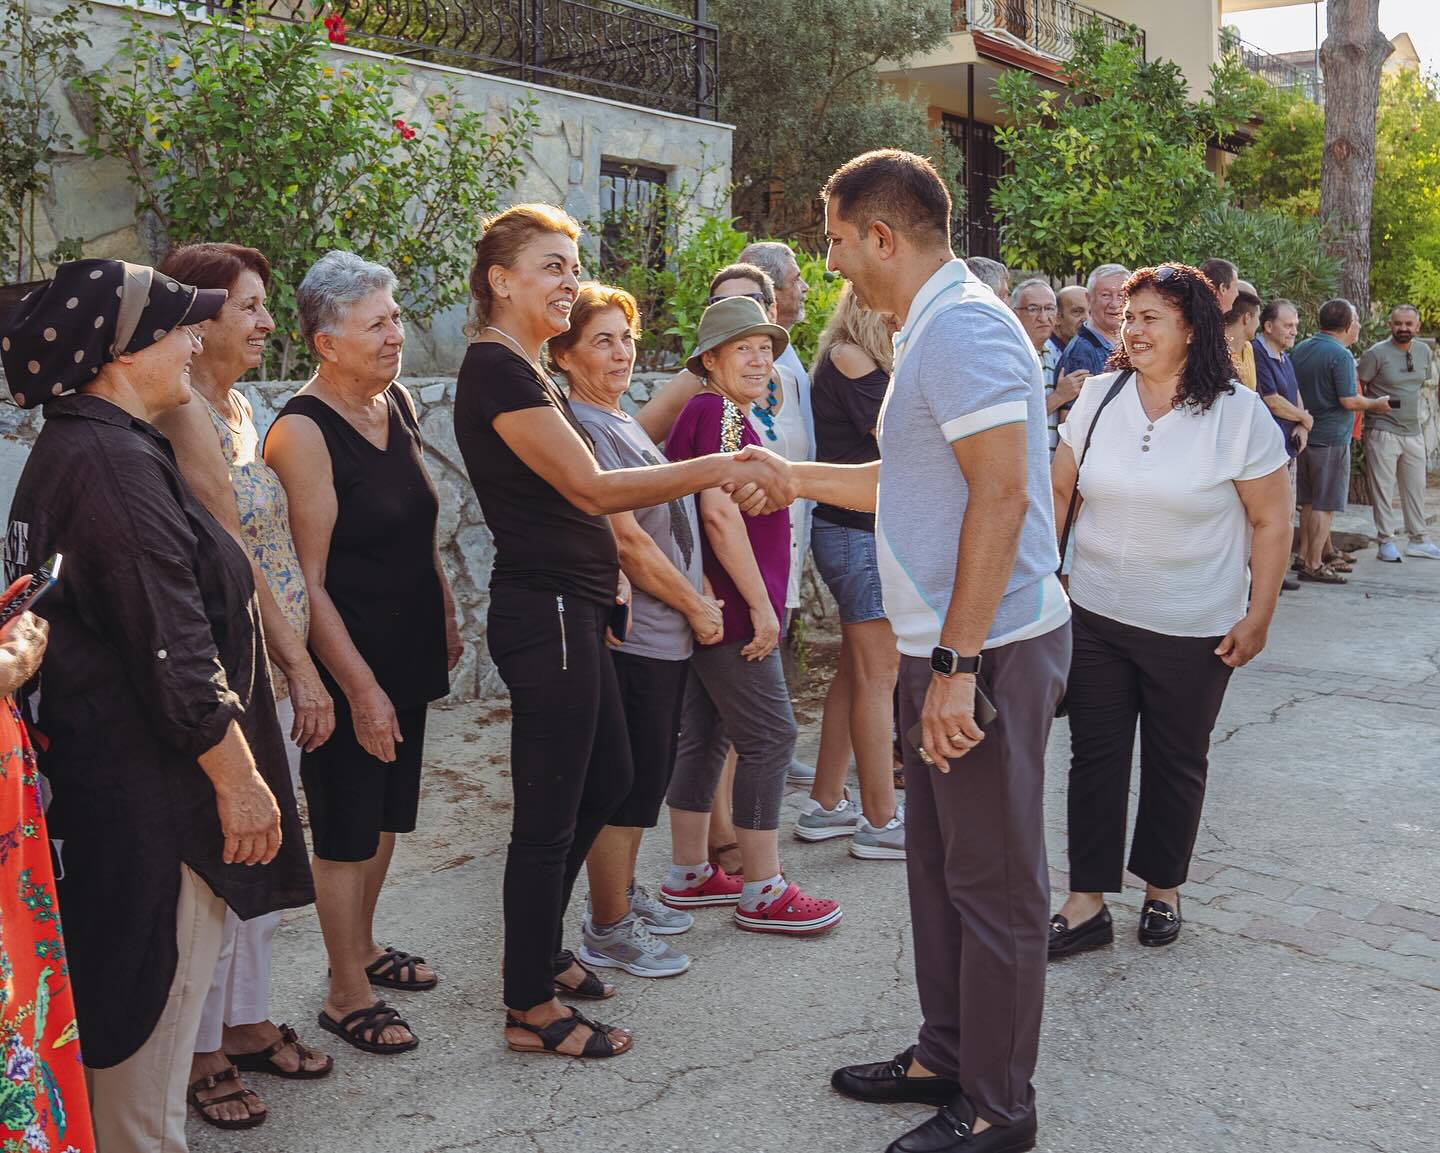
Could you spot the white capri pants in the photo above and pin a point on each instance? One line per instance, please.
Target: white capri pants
(240, 990)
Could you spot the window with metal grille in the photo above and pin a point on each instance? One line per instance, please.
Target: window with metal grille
(632, 208)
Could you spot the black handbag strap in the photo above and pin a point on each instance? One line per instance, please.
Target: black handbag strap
(1120, 382)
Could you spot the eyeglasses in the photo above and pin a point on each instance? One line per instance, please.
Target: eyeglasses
(1033, 310)
(1409, 361)
(197, 338)
(757, 297)
(1165, 272)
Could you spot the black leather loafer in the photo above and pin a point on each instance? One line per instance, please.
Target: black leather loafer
(951, 1130)
(1095, 933)
(885, 1082)
(1159, 923)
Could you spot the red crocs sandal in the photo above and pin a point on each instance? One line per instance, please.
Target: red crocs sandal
(720, 888)
(791, 912)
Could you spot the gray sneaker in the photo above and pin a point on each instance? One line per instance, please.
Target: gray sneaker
(817, 823)
(660, 919)
(800, 774)
(630, 946)
(880, 844)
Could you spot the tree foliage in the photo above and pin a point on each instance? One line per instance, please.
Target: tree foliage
(1114, 168)
(800, 86)
(1280, 170)
(35, 56)
(259, 136)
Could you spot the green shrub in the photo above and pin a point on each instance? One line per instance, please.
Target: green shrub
(1278, 255)
(263, 137)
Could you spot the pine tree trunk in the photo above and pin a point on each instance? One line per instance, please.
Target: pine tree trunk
(1350, 61)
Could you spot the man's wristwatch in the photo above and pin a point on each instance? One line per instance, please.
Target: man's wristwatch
(947, 662)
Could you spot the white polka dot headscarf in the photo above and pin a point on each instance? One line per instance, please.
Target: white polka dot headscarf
(60, 334)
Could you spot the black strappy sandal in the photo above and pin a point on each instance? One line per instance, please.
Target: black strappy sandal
(214, 1080)
(263, 1060)
(598, 1044)
(397, 969)
(368, 1024)
(592, 988)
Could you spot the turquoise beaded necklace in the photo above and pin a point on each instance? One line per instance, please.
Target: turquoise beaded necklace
(766, 415)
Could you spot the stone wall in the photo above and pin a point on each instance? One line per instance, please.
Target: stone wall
(92, 200)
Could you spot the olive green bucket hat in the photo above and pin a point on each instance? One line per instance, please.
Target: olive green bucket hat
(728, 320)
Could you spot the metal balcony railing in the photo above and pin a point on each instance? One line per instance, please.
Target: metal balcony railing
(1279, 73)
(615, 48)
(1046, 26)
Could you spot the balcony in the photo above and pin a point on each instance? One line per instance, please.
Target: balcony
(1046, 27)
(613, 48)
(1278, 73)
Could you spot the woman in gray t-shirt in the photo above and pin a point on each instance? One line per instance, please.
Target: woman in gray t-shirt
(671, 609)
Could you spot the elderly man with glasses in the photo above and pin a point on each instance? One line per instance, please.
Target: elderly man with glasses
(1034, 303)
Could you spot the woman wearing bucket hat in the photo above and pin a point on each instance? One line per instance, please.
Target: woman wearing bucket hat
(736, 690)
(171, 792)
(553, 594)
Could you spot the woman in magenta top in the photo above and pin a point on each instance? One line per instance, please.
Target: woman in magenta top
(736, 690)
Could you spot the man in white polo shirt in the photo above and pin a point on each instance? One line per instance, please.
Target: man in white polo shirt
(966, 537)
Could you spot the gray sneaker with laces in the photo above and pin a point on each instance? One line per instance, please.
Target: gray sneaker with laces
(659, 918)
(630, 946)
(817, 823)
(880, 844)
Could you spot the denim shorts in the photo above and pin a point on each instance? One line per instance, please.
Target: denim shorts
(848, 565)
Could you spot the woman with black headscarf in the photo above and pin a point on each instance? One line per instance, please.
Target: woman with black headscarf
(171, 793)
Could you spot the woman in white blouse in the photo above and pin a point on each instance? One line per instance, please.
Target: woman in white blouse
(1182, 534)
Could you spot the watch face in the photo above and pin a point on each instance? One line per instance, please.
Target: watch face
(942, 660)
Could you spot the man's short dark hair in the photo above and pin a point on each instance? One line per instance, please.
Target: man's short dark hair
(1337, 315)
(900, 188)
(1245, 302)
(1219, 272)
(750, 272)
(1272, 310)
(1410, 308)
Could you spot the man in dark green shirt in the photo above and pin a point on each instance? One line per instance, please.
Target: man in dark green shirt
(1325, 370)
(1397, 369)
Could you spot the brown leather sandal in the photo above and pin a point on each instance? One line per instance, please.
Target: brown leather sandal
(263, 1060)
(727, 856)
(213, 1081)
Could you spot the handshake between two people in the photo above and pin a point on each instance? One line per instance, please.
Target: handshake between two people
(761, 482)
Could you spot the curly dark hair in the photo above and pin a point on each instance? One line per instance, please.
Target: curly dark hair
(1208, 371)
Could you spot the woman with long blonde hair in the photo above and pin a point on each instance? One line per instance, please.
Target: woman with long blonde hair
(848, 384)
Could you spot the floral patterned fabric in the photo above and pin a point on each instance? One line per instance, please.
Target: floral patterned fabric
(265, 524)
(43, 1106)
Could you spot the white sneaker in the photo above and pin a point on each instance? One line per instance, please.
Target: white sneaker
(1424, 548)
(1388, 552)
(883, 843)
(817, 823)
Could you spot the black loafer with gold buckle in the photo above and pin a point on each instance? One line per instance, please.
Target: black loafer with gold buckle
(1159, 923)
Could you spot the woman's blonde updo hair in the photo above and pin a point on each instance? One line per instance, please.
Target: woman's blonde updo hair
(593, 299)
(852, 323)
(502, 237)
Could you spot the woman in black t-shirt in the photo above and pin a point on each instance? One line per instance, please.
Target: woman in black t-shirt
(553, 596)
(848, 384)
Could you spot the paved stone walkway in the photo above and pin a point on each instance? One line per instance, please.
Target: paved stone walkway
(1300, 1011)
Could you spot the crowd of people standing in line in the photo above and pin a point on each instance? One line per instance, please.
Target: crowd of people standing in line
(1106, 532)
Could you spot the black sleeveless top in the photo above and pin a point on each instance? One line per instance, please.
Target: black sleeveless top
(381, 569)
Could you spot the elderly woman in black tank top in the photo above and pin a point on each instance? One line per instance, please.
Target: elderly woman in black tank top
(363, 512)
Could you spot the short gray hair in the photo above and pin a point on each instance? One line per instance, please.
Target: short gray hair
(990, 272)
(335, 282)
(1033, 282)
(770, 256)
(1102, 272)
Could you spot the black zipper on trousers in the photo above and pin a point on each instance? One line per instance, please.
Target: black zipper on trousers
(564, 649)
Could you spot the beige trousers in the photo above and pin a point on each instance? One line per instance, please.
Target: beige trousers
(1393, 459)
(139, 1105)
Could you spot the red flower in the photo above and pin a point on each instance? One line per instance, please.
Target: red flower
(335, 28)
(406, 132)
